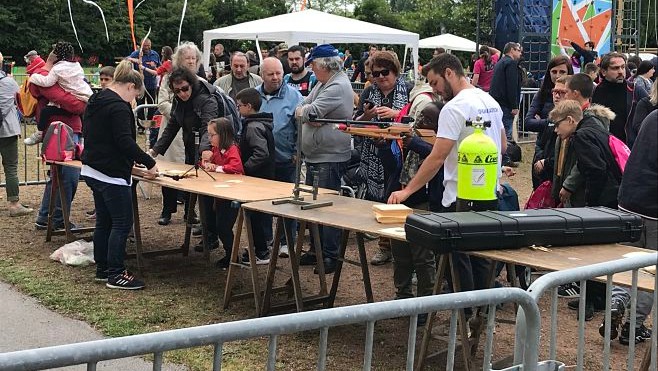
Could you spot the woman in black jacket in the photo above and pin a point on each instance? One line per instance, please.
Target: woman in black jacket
(193, 106)
(109, 133)
(536, 119)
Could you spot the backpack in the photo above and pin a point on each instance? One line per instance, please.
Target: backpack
(229, 110)
(620, 151)
(541, 197)
(58, 144)
(27, 103)
(404, 111)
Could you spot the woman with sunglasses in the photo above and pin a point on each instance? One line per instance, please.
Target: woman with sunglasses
(536, 120)
(381, 101)
(187, 56)
(193, 106)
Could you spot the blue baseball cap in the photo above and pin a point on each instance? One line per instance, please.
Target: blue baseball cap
(322, 51)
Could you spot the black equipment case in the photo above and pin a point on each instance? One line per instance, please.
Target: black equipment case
(491, 230)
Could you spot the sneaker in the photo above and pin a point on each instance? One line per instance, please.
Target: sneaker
(101, 276)
(641, 334)
(211, 246)
(308, 259)
(617, 310)
(197, 232)
(381, 257)
(589, 309)
(224, 262)
(20, 210)
(569, 290)
(40, 226)
(124, 281)
(91, 214)
(261, 259)
(283, 251)
(33, 139)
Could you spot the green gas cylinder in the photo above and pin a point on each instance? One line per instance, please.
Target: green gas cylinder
(477, 165)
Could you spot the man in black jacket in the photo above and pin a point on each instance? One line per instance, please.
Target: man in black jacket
(637, 194)
(588, 53)
(617, 94)
(506, 84)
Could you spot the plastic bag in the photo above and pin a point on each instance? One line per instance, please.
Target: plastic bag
(78, 253)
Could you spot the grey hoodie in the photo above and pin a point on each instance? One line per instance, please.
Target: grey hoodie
(333, 100)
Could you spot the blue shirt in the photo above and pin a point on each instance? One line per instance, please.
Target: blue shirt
(150, 82)
(282, 107)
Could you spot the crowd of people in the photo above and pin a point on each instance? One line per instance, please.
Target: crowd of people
(573, 114)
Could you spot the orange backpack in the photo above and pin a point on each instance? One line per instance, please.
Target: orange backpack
(26, 102)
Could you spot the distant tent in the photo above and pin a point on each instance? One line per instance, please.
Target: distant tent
(312, 26)
(448, 42)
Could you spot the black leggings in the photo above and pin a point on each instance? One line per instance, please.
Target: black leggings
(46, 113)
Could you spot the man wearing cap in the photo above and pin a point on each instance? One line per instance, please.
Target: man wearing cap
(326, 150)
(34, 62)
(282, 54)
(240, 78)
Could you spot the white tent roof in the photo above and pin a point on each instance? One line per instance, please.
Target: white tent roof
(311, 26)
(448, 42)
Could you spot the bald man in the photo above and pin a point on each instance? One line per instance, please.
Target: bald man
(280, 100)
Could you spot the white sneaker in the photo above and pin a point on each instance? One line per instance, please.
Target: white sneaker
(33, 139)
(283, 251)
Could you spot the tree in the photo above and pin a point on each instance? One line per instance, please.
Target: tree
(377, 11)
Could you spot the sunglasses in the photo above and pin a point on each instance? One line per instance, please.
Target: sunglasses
(557, 123)
(183, 89)
(381, 73)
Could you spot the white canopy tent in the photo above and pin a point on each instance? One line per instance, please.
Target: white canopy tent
(448, 42)
(312, 26)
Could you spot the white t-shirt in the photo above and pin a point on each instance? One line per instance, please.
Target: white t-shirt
(466, 105)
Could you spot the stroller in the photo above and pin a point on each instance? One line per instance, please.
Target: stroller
(353, 183)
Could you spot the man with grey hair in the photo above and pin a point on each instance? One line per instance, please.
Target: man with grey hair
(326, 150)
(281, 100)
(150, 61)
(506, 84)
(240, 78)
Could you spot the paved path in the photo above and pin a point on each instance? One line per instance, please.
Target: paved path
(25, 324)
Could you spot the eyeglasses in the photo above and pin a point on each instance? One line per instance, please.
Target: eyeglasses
(557, 123)
(559, 92)
(183, 89)
(381, 73)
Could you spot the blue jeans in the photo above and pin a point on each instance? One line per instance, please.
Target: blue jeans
(285, 172)
(329, 174)
(69, 181)
(114, 220)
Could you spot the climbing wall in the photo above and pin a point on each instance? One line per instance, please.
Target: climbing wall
(582, 21)
(529, 23)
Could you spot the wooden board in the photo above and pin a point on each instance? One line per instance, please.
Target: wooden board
(346, 213)
(230, 187)
(561, 258)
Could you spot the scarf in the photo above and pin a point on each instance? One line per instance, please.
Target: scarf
(371, 164)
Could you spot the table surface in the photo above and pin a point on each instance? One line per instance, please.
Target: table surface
(346, 213)
(230, 187)
(567, 257)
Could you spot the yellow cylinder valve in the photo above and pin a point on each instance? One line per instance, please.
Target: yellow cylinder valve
(477, 164)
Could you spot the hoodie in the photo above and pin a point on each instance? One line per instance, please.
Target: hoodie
(566, 174)
(257, 145)
(109, 133)
(37, 64)
(596, 163)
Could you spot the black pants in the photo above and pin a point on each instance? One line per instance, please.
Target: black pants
(46, 113)
(220, 218)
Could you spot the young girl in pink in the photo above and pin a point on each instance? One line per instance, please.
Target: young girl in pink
(70, 76)
(220, 215)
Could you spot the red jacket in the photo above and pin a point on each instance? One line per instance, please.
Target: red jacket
(64, 99)
(165, 68)
(229, 159)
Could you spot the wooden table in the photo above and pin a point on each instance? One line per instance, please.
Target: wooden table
(347, 214)
(232, 187)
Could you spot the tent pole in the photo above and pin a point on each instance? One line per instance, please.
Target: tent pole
(260, 55)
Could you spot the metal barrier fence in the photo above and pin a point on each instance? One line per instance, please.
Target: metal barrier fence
(91, 353)
(551, 281)
(30, 167)
(527, 94)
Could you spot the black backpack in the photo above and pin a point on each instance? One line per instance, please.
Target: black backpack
(228, 109)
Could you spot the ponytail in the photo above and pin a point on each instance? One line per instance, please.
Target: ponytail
(125, 74)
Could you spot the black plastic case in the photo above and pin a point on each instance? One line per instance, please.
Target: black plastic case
(490, 230)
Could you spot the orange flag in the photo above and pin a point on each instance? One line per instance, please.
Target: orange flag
(131, 19)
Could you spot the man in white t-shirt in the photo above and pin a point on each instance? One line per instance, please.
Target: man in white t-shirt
(464, 102)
